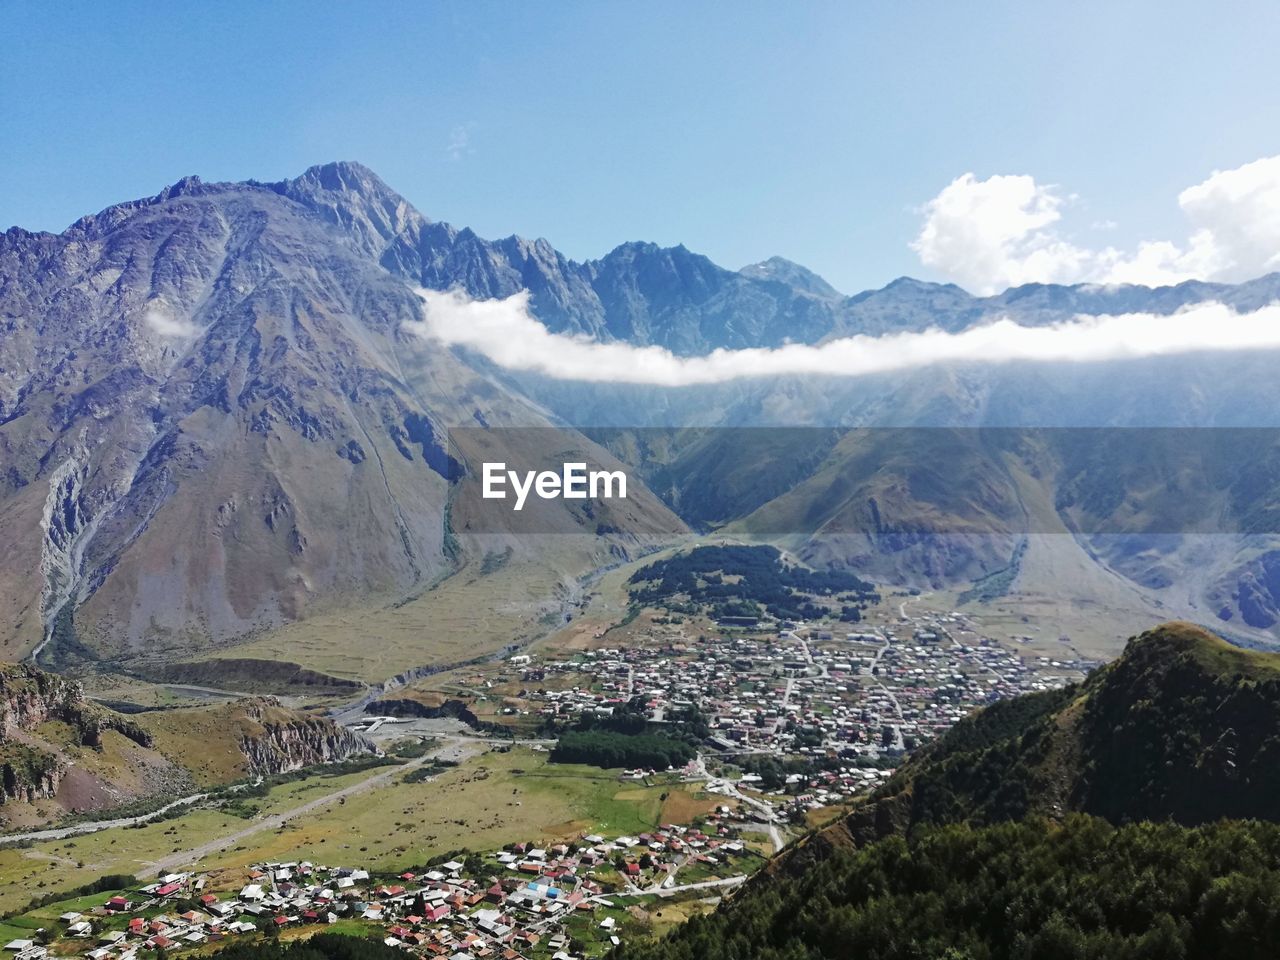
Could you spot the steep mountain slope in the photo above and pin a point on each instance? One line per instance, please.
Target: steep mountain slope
(797, 277)
(207, 387)
(1156, 518)
(212, 424)
(207, 426)
(639, 292)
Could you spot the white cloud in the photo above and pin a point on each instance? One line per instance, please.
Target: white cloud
(506, 333)
(996, 233)
(991, 234)
(162, 321)
(1236, 218)
(460, 140)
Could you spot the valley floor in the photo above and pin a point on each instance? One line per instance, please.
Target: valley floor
(912, 666)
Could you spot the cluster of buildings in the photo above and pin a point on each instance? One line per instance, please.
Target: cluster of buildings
(172, 913)
(848, 702)
(562, 901)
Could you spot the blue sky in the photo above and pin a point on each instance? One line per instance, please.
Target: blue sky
(815, 131)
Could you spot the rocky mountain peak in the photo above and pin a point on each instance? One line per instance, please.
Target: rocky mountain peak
(799, 278)
(187, 186)
(353, 197)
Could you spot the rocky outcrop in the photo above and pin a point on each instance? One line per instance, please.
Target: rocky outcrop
(29, 697)
(276, 740)
(417, 707)
(28, 774)
(1253, 590)
(432, 707)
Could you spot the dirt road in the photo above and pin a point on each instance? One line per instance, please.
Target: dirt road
(456, 750)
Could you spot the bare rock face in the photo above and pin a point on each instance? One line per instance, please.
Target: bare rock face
(278, 740)
(179, 376)
(1252, 590)
(30, 767)
(31, 777)
(30, 697)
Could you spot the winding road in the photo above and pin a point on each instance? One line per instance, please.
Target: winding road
(668, 891)
(729, 789)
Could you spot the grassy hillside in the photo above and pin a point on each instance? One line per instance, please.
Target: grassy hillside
(62, 754)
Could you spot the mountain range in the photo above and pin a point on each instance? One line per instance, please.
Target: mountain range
(209, 421)
(213, 423)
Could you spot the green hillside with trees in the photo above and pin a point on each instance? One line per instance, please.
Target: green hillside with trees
(1183, 726)
(1081, 889)
(736, 580)
(1133, 815)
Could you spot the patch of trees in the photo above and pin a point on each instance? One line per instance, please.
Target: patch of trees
(608, 748)
(428, 770)
(412, 749)
(1080, 889)
(687, 723)
(735, 580)
(773, 771)
(987, 767)
(1190, 733)
(628, 738)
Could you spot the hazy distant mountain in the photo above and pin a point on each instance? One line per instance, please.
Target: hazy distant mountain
(801, 279)
(671, 296)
